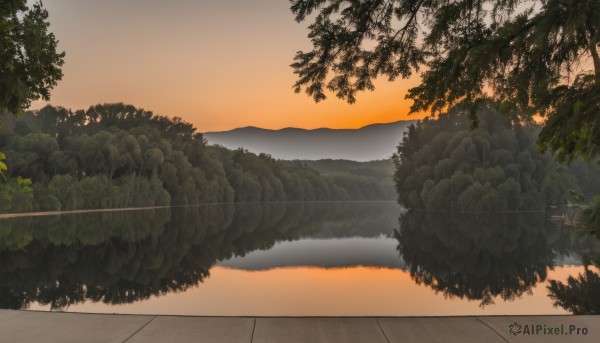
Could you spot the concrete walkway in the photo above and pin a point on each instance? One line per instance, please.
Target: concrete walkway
(30, 326)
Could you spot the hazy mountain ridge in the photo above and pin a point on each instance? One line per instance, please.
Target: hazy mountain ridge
(371, 142)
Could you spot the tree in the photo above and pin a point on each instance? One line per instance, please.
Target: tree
(30, 65)
(2, 164)
(29, 62)
(530, 56)
(533, 57)
(117, 155)
(579, 295)
(445, 165)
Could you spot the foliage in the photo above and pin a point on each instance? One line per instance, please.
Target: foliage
(530, 56)
(17, 196)
(445, 165)
(116, 155)
(3, 167)
(30, 65)
(590, 216)
(579, 295)
(381, 171)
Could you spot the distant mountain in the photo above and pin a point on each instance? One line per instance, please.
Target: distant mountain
(372, 142)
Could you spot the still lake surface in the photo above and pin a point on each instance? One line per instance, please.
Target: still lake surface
(294, 259)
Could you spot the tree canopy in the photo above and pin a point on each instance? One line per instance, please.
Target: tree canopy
(30, 64)
(444, 165)
(117, 155)
(537, 57)
(579, 295)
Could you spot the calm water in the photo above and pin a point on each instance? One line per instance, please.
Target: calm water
(288, 259)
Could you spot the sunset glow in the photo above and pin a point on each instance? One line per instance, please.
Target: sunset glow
(218, 65)
(311, 291)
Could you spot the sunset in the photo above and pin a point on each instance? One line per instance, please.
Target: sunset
(300, 171)
(229, 64)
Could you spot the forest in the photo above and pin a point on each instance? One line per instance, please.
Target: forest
(447, 165)
(380, 170)
(117, 155)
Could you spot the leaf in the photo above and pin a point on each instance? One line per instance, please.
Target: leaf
(578, 197)
(24, 182)
(3, 166)
(577, 107)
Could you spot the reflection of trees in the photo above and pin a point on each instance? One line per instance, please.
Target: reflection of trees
(479, 257)
(581, 294)
(360, 220)
(121, 257)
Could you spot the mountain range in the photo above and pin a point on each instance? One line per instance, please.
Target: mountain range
(372, 142)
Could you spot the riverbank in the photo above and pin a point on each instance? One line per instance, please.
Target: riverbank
(32, 326)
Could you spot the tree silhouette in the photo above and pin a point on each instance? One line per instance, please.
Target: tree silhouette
(530, 55)
(580, 295)
(31, 65)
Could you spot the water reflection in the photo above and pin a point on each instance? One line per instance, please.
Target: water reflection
(579, 294)
(124, 257)
(121, 257)
(482, 257)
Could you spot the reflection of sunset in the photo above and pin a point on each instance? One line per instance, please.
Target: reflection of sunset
(306, 291)
(187, 60)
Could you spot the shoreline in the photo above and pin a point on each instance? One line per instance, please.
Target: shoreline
(126, 209)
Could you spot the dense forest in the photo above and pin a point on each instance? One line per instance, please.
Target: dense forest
(116, 155)
(380, 170)
(445, 165)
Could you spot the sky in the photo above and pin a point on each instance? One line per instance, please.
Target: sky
(217, 64)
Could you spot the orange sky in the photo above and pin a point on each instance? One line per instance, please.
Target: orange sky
(219, 65)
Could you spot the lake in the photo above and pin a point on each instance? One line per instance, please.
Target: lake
(289, 259)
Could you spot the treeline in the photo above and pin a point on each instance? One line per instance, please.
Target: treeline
(379, 170)
(117, 155)
(444, 165)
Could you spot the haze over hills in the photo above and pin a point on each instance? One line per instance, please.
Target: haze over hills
(372, 142)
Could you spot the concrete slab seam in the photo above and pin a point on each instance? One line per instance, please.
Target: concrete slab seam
(383, 332)
(491, 328)
(140, 329)
(253, 328)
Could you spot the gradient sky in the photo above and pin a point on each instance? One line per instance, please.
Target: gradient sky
(218, 64)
